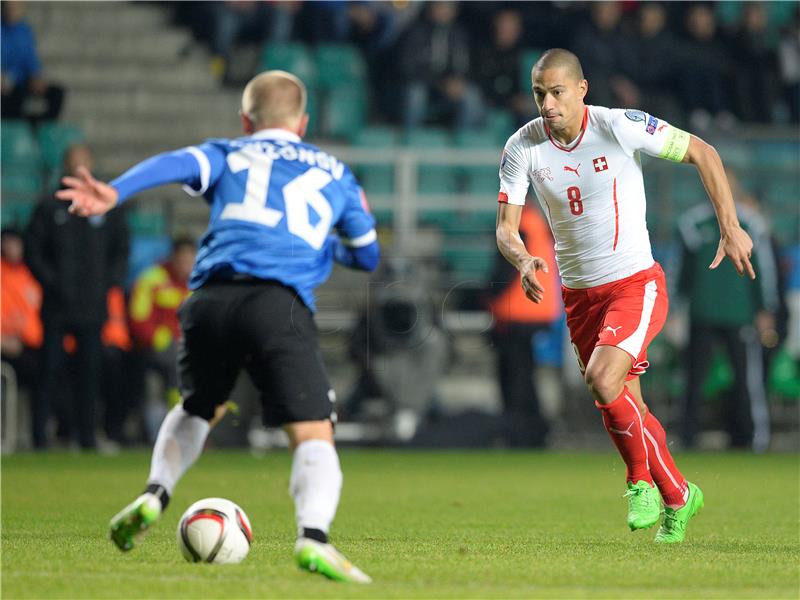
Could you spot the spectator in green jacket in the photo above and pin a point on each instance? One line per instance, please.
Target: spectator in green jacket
(729, 311)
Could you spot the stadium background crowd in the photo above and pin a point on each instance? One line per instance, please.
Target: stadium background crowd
(415, 96)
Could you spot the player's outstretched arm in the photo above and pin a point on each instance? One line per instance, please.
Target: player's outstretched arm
(734, 241)
(88, 195)
(512, 247)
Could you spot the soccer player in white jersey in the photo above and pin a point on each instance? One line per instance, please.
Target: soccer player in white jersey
(583, 163)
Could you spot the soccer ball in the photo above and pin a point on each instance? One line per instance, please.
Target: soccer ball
(214, 530)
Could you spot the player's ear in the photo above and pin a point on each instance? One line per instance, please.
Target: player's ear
(583, 88)
(303, 125)
(247, 124)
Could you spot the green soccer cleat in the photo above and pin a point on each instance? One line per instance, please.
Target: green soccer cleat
(644, 505)
(316, 557)
(673, 529)
(131, 522)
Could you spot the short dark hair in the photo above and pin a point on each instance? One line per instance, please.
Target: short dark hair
(558, 57)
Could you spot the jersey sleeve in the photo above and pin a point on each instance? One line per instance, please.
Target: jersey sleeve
(356, 225)
(636, 130)
(211, 163)
(513, 173)
(197, 167)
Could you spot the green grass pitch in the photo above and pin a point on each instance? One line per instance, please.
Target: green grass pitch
(424, 525)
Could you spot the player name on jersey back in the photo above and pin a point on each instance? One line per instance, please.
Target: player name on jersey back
(288, 151)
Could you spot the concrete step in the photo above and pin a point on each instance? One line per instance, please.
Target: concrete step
(134, 46)
(124, 77)
(154, 105)
(95, 17)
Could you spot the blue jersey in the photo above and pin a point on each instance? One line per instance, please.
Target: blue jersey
(274, 201)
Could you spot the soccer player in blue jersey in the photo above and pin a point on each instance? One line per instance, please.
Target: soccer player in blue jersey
(274, 201)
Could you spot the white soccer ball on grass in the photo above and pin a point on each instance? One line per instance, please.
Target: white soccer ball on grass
(214, 530)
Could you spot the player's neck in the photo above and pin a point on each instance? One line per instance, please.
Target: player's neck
(570, 134)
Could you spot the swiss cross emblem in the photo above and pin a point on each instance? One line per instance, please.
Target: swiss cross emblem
(600, 164)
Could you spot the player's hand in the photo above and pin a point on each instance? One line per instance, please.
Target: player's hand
(533, 289)
(737, 246)
(89, 196)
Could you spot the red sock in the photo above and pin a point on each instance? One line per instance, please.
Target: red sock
(623, 422)
(668, 478)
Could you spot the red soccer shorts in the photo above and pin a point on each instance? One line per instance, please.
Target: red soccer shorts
(627, 314)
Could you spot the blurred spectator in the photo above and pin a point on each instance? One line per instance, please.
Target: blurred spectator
(789, 63)
(326, 21)
(498, 65)
(117, 373)
(76, 261)
(739, 326)
(434, 66)
(20, 302)
(374, 28)
(516, 319)
(607, 55)
(703, 77)
(26, 93)
(657, 49)
(236, 21)
(754, 83)
(157, 294)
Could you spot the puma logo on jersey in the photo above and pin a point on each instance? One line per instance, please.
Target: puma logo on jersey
(661, 127)
(613, 329)
(541, 174)
(575, 170)
(623, 432)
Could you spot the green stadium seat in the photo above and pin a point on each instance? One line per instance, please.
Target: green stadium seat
(433, 179)
(528, 58)
(293, 57)
(501, 124)
(376, 179)
(774, 154)
(339, 65)
(345, 111)
(16, 213)
(313, 110)
(21, 184)
(54, 139)
(469, 262)
(480, 180)
(18, 145)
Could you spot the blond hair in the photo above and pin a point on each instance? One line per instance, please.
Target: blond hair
(274, 99)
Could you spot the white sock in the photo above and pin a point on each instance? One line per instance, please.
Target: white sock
(315, 484)
(180, 441)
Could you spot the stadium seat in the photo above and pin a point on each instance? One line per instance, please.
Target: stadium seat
(433, 179)
(147, 223)
(21, 185)
(16, 213)
(501, 124)
(292, 57)
(54, 139)
(481, 180)
(339, 65)
(528, 58)
(345, 111)
(377, 178)
(18, 145)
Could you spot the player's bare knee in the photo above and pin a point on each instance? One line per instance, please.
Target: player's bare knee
(604, 385)
(304, 431)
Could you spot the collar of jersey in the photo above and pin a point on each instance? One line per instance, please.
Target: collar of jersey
(580, 137)
(276, 134)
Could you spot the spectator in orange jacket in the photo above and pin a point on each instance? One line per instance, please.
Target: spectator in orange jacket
(516, 319)
(20, 301)
(153, 310)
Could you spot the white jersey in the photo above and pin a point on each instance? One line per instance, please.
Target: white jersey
(592, 193)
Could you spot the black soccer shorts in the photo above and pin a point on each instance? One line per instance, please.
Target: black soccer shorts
(265, 328)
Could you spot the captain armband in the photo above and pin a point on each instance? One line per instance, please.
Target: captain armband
(676, 145)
